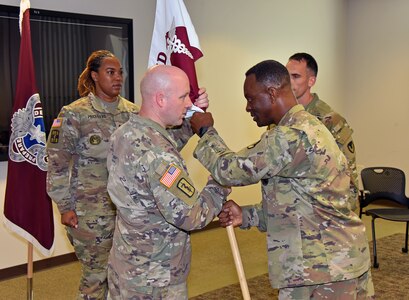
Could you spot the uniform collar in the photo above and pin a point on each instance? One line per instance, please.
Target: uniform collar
(293, 110)
(313, 101)
(141, 121)
(98, 104)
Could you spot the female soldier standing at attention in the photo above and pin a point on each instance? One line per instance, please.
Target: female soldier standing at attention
(77, 173)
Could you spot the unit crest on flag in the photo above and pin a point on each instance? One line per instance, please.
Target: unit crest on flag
(177, 42)
(27, 139)
(176, 45)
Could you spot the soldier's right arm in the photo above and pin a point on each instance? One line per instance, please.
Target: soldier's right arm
(262, 159)
(61, 147)
(179, 201)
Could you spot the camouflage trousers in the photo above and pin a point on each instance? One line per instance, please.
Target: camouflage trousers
(360, 288)
(170, 292)
(92, 241)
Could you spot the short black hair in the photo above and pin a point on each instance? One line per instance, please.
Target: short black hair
(309, 60)
(270, 72)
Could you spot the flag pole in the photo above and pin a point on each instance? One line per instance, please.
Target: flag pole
(238, 263)
(30, 272)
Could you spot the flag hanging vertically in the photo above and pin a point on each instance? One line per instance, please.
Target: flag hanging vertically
(174, 40)
(27, 207)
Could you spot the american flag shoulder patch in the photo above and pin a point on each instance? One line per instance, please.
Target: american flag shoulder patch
(57, 123)
(170, 175)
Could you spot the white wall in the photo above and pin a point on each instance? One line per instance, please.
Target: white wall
(377, 79)
(234, 35)
(14, 249)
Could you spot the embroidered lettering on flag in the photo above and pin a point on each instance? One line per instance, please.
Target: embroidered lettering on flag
(170, 176)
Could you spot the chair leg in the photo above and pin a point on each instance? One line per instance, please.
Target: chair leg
(405, 250)
(375, 260)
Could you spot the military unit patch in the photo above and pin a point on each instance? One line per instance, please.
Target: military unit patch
(170, 176)
(54, 136)
(186, 187)
(95, 139)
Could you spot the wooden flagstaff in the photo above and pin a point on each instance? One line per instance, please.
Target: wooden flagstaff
(30, 272)
(238, 262)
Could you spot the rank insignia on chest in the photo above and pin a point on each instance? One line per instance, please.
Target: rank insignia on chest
(170, 176)
(95, 139)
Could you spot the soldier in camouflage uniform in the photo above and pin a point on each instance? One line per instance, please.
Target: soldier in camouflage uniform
(317, 247)
(77, 175)
(303, 71)
(157, 203)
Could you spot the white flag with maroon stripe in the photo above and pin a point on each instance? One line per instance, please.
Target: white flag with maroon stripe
(174, 40)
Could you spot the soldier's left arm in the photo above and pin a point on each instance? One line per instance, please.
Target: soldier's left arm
(342, 133)
(349, 151)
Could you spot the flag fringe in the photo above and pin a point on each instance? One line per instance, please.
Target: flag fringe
(24, 5)
(27, 236)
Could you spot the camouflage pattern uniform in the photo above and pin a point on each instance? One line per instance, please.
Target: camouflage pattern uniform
(157, 205)
(359, 288)
(76, 180)
(342, 133)
(312, 235)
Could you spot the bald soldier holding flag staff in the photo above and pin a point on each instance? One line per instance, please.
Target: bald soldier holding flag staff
(317, 247)
(157, 203)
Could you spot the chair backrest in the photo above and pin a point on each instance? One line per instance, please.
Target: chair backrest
(384, 183)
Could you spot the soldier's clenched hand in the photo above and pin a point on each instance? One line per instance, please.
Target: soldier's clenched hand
(231, 214)
(69, 219)
(200, 122)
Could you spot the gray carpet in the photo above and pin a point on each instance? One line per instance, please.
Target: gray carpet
(391, 279)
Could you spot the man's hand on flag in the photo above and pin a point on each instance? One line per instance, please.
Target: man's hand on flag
(200, 104)
(200, 122)
(175, 42)
(202, 101)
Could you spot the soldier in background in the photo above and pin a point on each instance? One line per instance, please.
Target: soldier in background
(157, 203)
(77, 174)
(303, 71)
(317, 247)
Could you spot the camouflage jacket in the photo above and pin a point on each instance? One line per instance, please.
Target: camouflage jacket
(342, 133)
(77, 148)
(157, 205)
(312, 235)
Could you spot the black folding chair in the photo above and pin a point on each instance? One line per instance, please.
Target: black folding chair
(387, 185)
